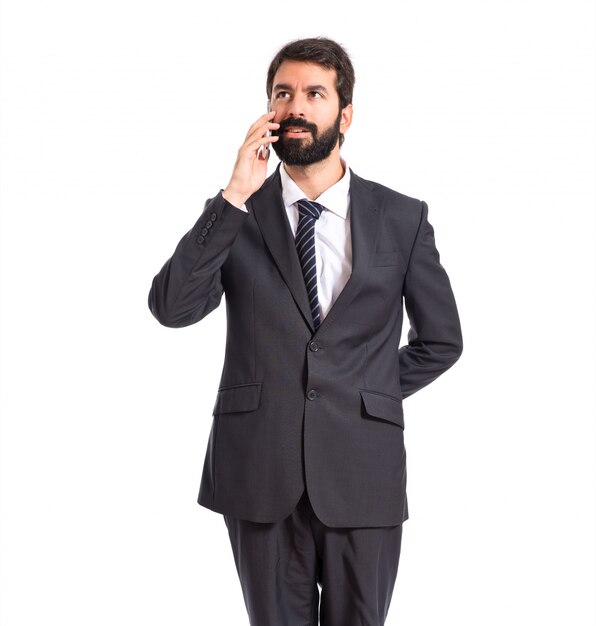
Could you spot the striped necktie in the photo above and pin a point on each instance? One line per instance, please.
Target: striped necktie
(305, 245)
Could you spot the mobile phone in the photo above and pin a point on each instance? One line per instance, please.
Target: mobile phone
(264, 150)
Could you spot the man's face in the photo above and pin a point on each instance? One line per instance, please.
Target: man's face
(306, 106)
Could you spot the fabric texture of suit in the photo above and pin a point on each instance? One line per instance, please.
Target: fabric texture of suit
(298, 409)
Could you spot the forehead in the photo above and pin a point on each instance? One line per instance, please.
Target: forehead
(299, 74)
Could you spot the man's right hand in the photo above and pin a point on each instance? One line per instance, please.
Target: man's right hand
(250, 170)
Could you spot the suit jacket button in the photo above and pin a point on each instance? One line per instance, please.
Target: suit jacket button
(200, 239)
(209, 224)
(213, 217)
(312, 394)
(314, 346)
(204, 231)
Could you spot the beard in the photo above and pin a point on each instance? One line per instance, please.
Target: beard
(302, 151)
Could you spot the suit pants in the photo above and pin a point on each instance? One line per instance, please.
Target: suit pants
(281, 566)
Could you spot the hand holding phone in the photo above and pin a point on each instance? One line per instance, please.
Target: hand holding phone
(250, 169)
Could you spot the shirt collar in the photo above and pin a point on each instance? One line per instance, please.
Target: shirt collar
(336, 198)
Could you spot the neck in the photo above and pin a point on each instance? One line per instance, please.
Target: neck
(316, 178)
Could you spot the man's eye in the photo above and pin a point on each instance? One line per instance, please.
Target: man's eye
(316, 94)
(281, 94)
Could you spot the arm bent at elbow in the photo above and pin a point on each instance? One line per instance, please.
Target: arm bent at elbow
(188, 287)
(435, 339)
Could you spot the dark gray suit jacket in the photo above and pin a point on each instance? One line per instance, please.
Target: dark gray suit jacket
(300, 408)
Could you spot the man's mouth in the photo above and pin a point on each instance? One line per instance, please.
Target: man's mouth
(294, 131)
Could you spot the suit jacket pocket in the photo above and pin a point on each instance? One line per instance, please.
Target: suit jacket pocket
(237, 398)
(385, 258)
(384, 406)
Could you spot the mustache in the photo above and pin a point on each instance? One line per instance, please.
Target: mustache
(295, 122)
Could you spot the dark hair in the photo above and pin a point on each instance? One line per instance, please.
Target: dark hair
(324, 52)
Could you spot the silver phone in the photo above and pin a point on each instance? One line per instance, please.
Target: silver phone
(264, 150)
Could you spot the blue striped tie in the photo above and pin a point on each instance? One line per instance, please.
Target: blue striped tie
(305, 245)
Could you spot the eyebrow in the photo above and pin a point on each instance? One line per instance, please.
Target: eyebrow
(286, 87)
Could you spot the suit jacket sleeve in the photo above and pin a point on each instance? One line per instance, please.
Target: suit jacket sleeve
(434, 339)
(188, 287)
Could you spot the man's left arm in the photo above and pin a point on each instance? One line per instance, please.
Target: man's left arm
(434, 339)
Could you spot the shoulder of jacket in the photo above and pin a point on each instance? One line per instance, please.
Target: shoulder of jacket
(390, 196)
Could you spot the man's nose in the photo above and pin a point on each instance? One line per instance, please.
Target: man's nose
(294, 112)
(297, 107)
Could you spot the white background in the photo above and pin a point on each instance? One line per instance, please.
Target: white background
(118, 119)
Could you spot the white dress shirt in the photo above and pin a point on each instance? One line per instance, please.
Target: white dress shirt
(333, 241)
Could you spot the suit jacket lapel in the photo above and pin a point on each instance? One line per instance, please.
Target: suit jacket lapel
(269, 211)
(365, 219)
(268, 207)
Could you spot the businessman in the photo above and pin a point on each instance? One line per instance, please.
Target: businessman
(306, 459)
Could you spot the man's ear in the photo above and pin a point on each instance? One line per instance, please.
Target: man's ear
(346, 119)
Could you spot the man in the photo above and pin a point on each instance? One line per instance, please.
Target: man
(306, 457)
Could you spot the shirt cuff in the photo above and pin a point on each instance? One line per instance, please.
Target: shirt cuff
(242, 208)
